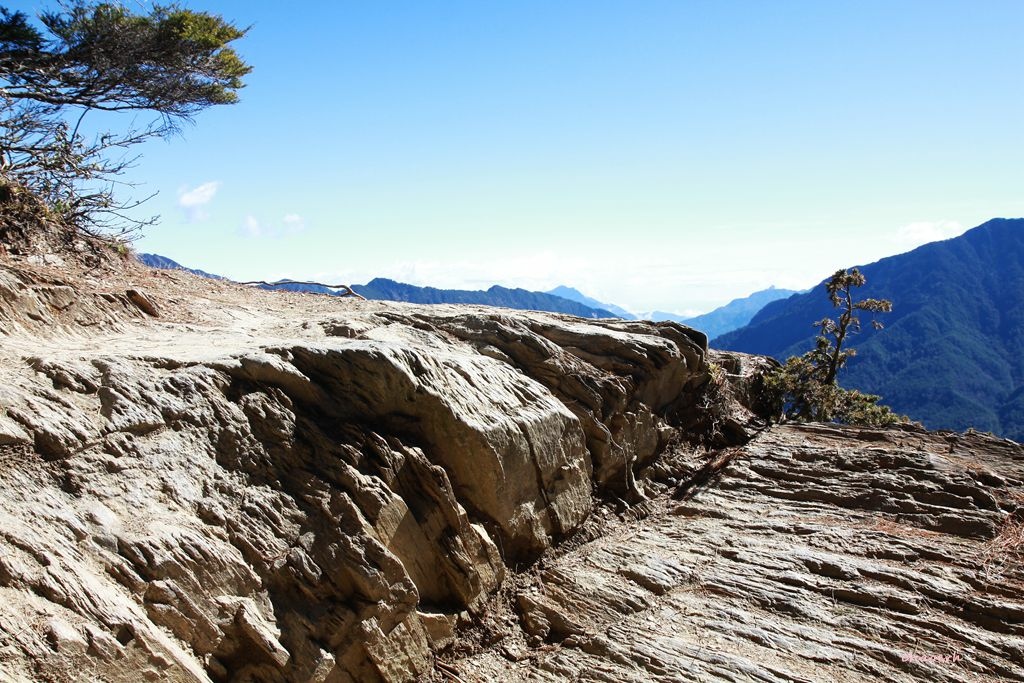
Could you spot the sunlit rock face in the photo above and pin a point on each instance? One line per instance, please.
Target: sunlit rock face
(200, 482)
(234, 485)
(818, 553)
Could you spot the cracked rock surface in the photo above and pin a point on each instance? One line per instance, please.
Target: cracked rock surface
(819, 553)
(284, 487)
(201, 482)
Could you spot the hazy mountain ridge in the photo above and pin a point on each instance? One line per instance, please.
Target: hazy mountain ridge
(574, 294)
(561, 299)
(391, 290)
(737, 312)
(952, 351)
(164, 263)
(659, 316)
(728, 317)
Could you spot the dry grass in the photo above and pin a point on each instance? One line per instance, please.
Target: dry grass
(1006, 550)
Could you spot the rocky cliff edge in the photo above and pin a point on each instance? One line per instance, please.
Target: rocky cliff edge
(203, 482)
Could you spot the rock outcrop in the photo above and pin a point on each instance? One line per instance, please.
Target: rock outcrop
(200, 482)
(819, 553)
(291, 487)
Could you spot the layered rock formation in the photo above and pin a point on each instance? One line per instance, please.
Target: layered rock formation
(234, 485)
(818, 553)
(200, 482)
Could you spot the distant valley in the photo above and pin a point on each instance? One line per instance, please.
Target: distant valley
(578, 296)
(731, 316)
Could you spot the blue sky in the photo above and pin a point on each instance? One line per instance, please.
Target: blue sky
(657, 155)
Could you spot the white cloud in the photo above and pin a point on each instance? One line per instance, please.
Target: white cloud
(921, 232)
(251, 227)
(199, 195)
(194, 201)
(291, 224)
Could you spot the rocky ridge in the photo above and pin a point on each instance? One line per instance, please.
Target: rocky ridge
(202, 482)
(234, 485)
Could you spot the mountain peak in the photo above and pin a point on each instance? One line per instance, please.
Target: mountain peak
(731, 316)
(573, 294)
(563, 290)
(951, 354)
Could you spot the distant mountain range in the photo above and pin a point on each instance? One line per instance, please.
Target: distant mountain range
(952, 351)
(951, 354)
(731, 316)
(561, 299)
(580, 297)
(389, 290)
(164, 263)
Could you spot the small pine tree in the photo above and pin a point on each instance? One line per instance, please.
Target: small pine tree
(143, 73)
(806, 387)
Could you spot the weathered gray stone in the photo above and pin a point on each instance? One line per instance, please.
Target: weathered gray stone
(783, 568)
(284, 487)
(250, 491)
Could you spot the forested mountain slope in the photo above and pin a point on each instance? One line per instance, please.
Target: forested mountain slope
(952, 351)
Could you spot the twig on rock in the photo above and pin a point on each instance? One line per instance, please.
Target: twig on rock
(711, 469)
(448, 671)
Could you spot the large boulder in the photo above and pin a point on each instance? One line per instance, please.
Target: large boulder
(275, 486)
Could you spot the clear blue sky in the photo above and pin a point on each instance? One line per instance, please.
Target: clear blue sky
(668, 155)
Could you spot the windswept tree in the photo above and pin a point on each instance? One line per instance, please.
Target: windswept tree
(806, 388)
(156, 70)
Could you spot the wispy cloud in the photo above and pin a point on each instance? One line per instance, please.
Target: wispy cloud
(293, 223)
(194, 201)
(290, 224)
(251, 227)
(921, 232)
